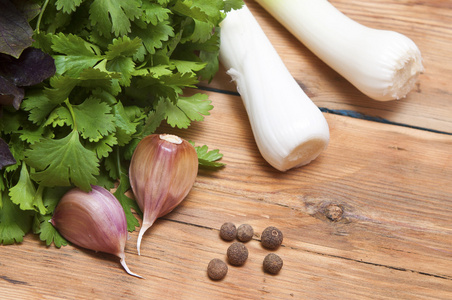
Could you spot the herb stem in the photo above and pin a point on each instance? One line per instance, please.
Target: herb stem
(43, 8)
(71, 110)
(118, 162)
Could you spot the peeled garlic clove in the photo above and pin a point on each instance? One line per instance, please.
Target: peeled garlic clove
(162, 172)
(93, 220)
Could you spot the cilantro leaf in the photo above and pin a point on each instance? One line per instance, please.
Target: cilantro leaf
(32, 135)
(103, 147)
(14, 222)
(127, 204)
(154, 13)
(190, 9)
(208, 158)
(154, 119)
(62, 162)
(78, 54)
(195, 107)
(184, 66)
(232, 4)
(38, 105)
(153, 35)
(93, 119)
(202, 32)
(48, 233)
(67, 5)
(123, 120)
(60, 116)
(123, 46)
(114, 16)
(25, 194)
(187, 109)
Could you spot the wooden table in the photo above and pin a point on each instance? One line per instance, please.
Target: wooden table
(391, 177)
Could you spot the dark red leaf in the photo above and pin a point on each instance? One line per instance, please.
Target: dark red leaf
(15, 32)
(6, 158)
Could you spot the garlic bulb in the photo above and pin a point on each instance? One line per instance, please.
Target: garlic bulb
(162, 171)
(93, 220)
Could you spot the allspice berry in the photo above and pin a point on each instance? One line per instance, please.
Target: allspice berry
(272, 263)
(245, 233)
(228, 231)
(271, 238)
(237, 254)
(217, 269)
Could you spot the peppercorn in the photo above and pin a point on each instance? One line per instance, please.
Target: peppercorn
(245, 233)
(272, 263)
(271, 238)
(237, 254)
(217, 269)
(228, 231)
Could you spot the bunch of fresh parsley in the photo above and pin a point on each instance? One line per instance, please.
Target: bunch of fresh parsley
(120, 70)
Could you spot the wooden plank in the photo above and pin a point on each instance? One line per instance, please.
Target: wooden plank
(426, 22)
(394, 240)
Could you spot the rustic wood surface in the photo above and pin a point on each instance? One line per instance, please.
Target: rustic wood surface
(392, 183)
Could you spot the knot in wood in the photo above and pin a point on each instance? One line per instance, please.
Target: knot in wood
(334, 212)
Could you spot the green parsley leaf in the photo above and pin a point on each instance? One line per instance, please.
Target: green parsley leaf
(153, 35)
(154, 13)
(127, 204)
(184, 66)
(123, 46)
(104, 146)
(67, 5)
(14, 222)
(154, 119)
(78, 54)
(47, 232)
(232, 4)
(25, 194)
(93, 119)
(195, 107)
(208, 158)
(60, 116)
(62, 162)
(39, 106)
(114, 16)
(32, 135)
(187, 109)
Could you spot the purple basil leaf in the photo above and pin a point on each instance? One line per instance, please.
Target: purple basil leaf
(28, 8)
(32, 67)
(10, 94)
(15, 32)
(6, 158)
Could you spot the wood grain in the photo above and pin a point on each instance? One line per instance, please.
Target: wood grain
(391, 183)
(392, 241)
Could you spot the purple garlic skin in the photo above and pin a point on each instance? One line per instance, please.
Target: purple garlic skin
(162, 172)
(93, 220)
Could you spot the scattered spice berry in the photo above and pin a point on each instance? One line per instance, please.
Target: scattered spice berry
(228, 231)
(245, 233)
(272, 263)
(217, 269)
(237, 254)
(271, 238)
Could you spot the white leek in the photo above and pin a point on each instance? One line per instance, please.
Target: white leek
(382, 64)
(289, 129)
